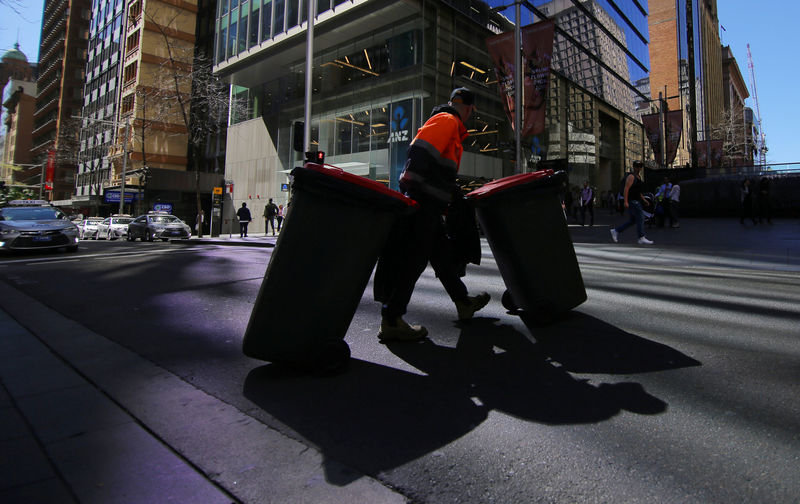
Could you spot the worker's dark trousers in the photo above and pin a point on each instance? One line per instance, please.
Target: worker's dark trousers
(422, 239)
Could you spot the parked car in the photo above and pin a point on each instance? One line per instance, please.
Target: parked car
(114, 227)
(88, 228)
(33, 225)
(157, 225)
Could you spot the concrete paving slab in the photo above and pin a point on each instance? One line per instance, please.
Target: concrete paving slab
(65, 413)
(125, 464)
(22, 462)
(47, 491)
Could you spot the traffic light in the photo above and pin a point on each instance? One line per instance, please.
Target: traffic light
(315, 157)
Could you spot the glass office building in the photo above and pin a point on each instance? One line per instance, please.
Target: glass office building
(380, 66)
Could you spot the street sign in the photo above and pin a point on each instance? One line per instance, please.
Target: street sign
(284, 187)
(218, 190)
(113, 197)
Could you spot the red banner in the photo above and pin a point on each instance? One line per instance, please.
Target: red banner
(537, 51)
(652, 128)
(50, 174)
(674, 125)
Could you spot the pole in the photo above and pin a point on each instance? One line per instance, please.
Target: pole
(518, 98)
(41, 181)
(124, 167)
(312, 7)
(692, 90)
(662, 131)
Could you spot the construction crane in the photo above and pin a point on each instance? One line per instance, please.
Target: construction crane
(761, 139)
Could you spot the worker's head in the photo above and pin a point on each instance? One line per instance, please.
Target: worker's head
(463, 100)
(244, 205)
(637, 166)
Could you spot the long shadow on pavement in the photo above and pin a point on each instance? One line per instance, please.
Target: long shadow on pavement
(376, 418)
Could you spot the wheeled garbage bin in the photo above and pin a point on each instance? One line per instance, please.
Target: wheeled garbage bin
(524, 224)
(334, 229)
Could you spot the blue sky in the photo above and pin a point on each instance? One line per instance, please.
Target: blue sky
(768, 26)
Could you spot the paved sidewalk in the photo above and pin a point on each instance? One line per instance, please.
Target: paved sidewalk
(86, 420)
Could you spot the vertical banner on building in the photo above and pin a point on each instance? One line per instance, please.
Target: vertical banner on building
(537, 51)
(50, 174)
(399, 139)
(674, 125)
(652, 127)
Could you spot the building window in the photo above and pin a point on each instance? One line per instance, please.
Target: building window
(130, 73)
(277, 24)
(127, 104)
(242, 38)
(232, 40)
(254, 22)
(266, 20)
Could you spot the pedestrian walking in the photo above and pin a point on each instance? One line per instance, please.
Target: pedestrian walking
(632, 201)
(198, 224)
(430, 179)
(587, 203)
(270, 212)
(243, 214)
(674, 205)
(764, 207)
(746, 200)
(576, 203)
(279, 217)
(662, 198)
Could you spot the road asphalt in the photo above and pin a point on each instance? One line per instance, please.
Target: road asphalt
(66, 401)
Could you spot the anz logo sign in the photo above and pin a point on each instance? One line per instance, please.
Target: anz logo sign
(399, 131)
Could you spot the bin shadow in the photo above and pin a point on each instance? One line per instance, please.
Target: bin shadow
(376, 418)
(372, 417)
(582, 343)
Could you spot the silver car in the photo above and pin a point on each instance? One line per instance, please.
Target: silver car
(34, 225)
(88, 228)
(157, 226)
(113, 227)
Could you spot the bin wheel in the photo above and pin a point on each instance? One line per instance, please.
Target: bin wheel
(332, 357)
(507, 302)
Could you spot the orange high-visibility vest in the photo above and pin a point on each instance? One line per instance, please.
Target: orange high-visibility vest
(441, 137)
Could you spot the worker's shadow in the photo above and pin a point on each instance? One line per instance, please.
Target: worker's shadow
(375, 418)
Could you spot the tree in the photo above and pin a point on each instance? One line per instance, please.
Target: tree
(731, 129)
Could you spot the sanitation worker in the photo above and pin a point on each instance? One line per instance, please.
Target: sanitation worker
(429, 178)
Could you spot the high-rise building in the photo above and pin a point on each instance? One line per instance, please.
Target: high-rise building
(669, 73)
(100, 101)
(597, 33)
(62, 66)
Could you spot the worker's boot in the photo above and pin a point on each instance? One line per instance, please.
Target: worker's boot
(399, 330)
(468, 306)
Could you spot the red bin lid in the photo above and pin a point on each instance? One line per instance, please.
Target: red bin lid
(338, 173)
(504, 183)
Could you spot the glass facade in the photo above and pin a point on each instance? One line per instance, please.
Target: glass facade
(374, 85)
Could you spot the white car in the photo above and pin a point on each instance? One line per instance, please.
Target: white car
(113, 227)
(88, 228)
